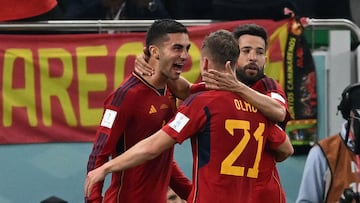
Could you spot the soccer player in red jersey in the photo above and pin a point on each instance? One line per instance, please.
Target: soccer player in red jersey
(252, 41)
(250, 68)
(228, 136)
(137, 109)
(255, 87)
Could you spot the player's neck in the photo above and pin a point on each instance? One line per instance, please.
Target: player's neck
(157, 80)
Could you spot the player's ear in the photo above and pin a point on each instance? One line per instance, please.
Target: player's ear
(154, 51)
(228, 66)
(204, 63)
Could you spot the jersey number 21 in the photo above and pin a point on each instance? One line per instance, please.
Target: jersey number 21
(227, 165)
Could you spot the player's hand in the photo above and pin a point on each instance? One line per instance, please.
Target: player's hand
(93, 177)
(221, 80)
(141, 65)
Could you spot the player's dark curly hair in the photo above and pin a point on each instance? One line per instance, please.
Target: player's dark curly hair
(250, 29)
(158, 31)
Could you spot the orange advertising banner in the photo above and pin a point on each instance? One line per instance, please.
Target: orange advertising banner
(53, 86)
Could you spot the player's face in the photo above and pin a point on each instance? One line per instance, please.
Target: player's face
(251, 62)
(173, 54)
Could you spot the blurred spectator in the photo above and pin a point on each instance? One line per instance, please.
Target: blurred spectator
(189, 9)
(252, 9)
(323, 9)
(115, 9)
(29, 10)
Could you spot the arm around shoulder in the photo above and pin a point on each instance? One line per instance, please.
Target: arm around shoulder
(271, 108)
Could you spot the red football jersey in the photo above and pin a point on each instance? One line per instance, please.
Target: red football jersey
(228, 137)
(269, 184)
(272, 88)
(133, 112)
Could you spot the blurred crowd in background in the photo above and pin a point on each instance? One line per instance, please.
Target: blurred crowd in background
(34, 10)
